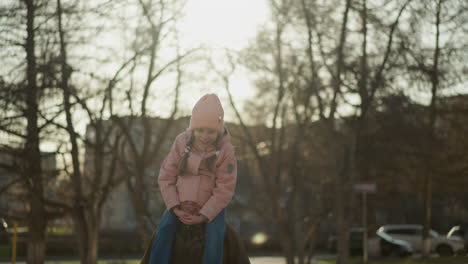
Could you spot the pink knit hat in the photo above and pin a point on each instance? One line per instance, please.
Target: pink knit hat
(208, 113)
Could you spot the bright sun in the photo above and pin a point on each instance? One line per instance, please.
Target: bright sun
(225, 23)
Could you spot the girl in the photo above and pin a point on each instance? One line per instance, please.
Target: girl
(197, 181)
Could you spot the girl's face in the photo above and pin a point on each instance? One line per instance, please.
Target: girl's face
(205, 136)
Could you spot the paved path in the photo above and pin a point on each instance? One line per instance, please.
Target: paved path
(272, 260)
(253, 260)
(267, 260)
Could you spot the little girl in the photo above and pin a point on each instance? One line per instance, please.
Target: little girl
(197, 181)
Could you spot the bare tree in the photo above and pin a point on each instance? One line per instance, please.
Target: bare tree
(94, 178)
(309, 96)
(288, 189)
(145, 137)
(91, 187)
(29, 166)
(435, 62)
(28, 93)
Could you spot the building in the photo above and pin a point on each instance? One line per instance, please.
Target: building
(14, 192)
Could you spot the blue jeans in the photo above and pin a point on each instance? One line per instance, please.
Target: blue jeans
(214, 239)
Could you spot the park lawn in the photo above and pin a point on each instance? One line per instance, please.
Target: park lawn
(99, 262)
(441, 260)
(120, 262)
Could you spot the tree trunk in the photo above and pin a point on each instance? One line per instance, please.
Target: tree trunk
(80, 226)
(342, 224)
(85, 218)
(93, 237)
(93, 247)
(87, 231)
(285, 240)
(32, 155)
(36, 240)
(341, 196)
(137, 192)
(434, 77)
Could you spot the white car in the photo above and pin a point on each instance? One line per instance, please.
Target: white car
(378, 244)
(412, 234)
(456, 231)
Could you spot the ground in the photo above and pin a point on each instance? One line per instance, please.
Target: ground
(254, 260)
(320, 260)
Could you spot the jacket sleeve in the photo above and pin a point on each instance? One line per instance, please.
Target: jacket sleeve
(168, 174)
(226, 177)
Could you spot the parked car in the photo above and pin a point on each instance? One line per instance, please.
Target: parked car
(456, 231)
(444, 246)
(3, 225)
(378, 244)
(459, 232)
(5, 248)
(390, 246)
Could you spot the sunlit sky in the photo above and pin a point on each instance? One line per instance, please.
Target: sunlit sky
(217, 24)
(223, 24)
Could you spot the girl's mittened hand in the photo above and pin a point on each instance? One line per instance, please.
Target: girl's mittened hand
(183, 216)
(180, 214)
(192, 220)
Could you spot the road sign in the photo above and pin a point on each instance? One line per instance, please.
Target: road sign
(365, 187)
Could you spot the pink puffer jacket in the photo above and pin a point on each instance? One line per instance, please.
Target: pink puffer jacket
(211, 190)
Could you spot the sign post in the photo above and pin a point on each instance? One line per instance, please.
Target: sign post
(15, 239)
(364, 188)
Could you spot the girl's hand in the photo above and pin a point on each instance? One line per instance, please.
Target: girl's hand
(194, 219)
(181, 214)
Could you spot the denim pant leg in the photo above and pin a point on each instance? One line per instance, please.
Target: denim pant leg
(162, 245)
(214, 240)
